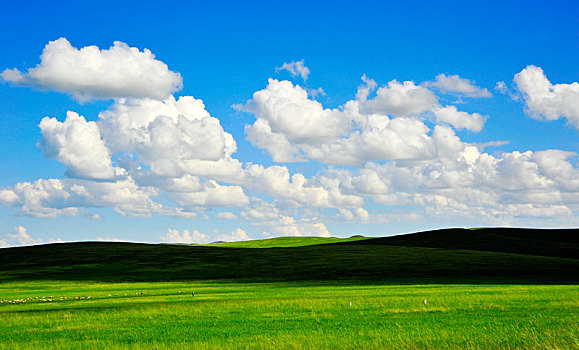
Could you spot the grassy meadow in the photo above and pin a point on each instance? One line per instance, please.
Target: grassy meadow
(516, 290)
(295, 315)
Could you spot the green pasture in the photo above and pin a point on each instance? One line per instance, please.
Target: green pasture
(297, 315)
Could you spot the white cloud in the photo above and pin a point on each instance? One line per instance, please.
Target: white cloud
(211, 194)
(77, 144)
(235, 236)
(398, 99)
(460, 120)
(288, 111)
(18, 237)
(296, 189)
(464, 182)
(289, 227)
(185, 236)
(547, 101)
(359, 214)
(226, 215)
(69, 197)
(314, 93)
(292, 127)
(295, 68)
(89, 72)
(454, 83)
(501, 87)
(171, 137)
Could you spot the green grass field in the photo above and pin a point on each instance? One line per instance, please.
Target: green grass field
(288, 315)
(296, 293)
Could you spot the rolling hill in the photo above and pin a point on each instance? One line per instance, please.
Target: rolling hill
(494, 255)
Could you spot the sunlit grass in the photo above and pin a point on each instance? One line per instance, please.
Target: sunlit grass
(281, 242)
(299, 315)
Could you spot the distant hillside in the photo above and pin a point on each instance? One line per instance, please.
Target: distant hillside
(446, 256)
(280, 242)
(545, 242)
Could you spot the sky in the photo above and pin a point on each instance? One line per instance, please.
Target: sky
(225, 121)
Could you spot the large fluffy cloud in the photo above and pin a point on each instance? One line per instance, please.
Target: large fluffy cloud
(77, 144)
(172, 137)
(89, 72)
(545, 100)
(388, 126)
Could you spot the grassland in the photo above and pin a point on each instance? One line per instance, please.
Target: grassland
(286, 242)
(517, 292)
(289, 315)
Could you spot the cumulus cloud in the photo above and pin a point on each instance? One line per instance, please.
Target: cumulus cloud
(295, 68)
(288, 110)
(387, 126)
(289, 227)
(171, 137)
(210, 194)
(89, 72)
(77, 144)
(546, 101)
(456, 84)
(397, 99)
(51, 198)
(459, 119)
(463, 181)
(189, 237)
(185, 236)
(18, 237)
(235, 236)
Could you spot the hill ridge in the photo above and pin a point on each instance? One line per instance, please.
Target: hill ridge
(442, 258)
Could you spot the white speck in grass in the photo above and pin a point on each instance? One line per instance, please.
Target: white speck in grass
(425, 302)
(350, 303)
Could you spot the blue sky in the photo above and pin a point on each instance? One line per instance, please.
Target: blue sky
(468, 115)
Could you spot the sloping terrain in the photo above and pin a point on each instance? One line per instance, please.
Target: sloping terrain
(281, 242)
(545, 242)
(447, 256)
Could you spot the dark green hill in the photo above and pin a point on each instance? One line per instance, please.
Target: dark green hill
(545, 242)
(446, 256)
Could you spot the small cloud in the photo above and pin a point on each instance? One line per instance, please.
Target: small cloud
(110, 239)
(482, 146)
(295, 68)
(501, 87)
(18, 237)
(236, 235)
(185, 236)
(226, 215)
(314, 93)
(456, 84)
